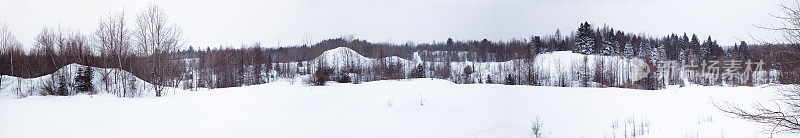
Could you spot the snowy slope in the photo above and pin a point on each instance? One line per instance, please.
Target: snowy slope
(556, 64)
(341, 56)
(20, 87)
(397, 108)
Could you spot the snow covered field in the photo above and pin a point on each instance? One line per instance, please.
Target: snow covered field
(399, 108)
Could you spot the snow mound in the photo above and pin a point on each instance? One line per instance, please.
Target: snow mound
(342, 57)
(104, 80)
(557, 66)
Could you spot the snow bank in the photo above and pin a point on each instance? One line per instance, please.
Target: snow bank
(14, 87)
(391, 108)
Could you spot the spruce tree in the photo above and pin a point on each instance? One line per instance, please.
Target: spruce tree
(743, 51)
(88, 76)
(629, 50)
(83, 80)
(510, 80)
(584, 41)
(418, 72)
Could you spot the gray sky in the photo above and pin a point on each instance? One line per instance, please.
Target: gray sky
(289, 22)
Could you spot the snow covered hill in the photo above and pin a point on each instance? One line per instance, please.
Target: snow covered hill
(388, 108)
(551, 66)
(393, 108)
(559, 68)
(103, 81)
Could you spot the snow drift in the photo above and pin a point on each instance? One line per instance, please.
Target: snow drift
(105, 81)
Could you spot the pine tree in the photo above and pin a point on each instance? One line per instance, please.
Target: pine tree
(695, 43)
(535, 46)
(705, 49)
(744, 53)
(510, 80)
(694, 47)
(418, 72)
(62, 86)
(609, 44)
(88, 76)
(715, 51)
(629, 50)
(450, 42)
(584, 41)
(83, 80)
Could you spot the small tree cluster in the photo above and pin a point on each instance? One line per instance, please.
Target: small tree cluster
(418, 72)
(83, 80)
(320, 76)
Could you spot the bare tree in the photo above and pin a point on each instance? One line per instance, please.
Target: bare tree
(784, 116)
(112, 36)
(537, 129)
(12, 47)
(158, 39)
(8, 44)
(561, 72)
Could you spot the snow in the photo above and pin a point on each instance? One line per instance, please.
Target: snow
(392, 108)
(389, 108)
(32, 86)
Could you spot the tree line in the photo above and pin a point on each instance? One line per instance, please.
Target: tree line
(151, 48)
(146, 49)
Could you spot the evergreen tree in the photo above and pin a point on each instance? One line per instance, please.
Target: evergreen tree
(62, 86)
(629, 50)
(609, 44)
(584, 41)
(694, 43)
(535, 46)
(83, 80)
(418, 72)
(705, 49)
(744, 53)
(694, 47)
(715, 51)
(450, 41)
(510, 80)
(88, 76)
(344, 78)
(683, 54)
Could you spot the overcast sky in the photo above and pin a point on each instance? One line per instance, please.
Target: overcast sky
(288, 22)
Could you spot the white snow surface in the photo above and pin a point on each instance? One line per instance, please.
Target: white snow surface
(15, 87)
(393, 108)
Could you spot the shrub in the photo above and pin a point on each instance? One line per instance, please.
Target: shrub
(510, 80)
(418, 72)
(343, 78)
(320, 76)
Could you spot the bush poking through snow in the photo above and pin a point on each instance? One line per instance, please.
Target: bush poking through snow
(631, 128)
(343, 78)
(467, 73)
(783, 117)
(537, 131)
(320, 76)
(510, 80)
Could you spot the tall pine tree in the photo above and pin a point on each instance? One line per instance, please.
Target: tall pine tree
(584, 41)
